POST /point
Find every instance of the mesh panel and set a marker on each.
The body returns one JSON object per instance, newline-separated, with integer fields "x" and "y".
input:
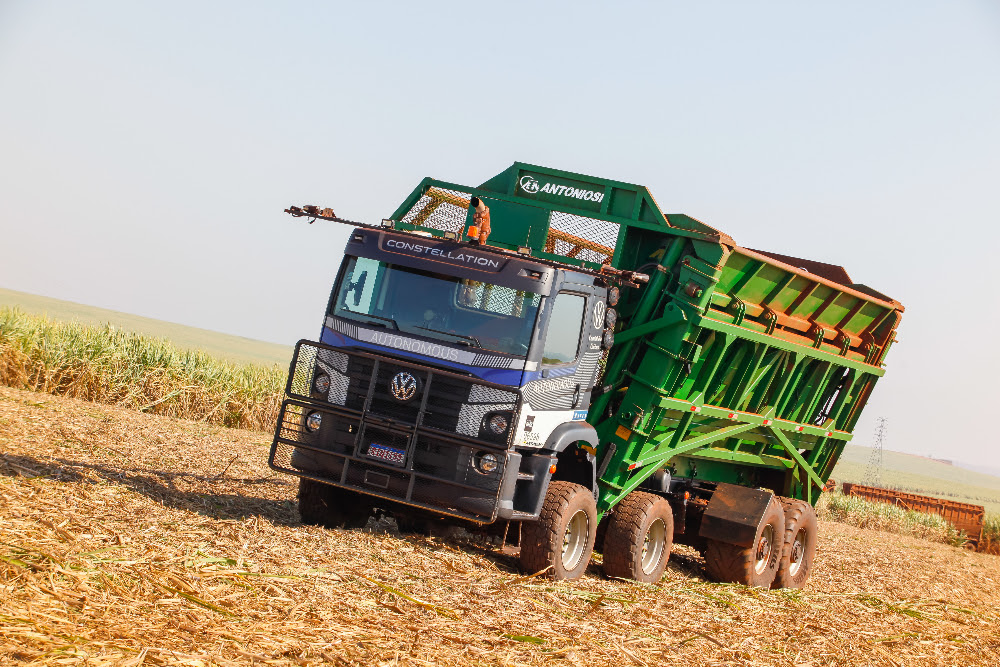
{"x": 302, "y": 375}
{"x": 583, "y": 238}
{"x": 480, "y": 394}
{"x": 440, "y": 209}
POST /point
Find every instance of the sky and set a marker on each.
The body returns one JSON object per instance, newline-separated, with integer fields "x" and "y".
{"x": 147, "y": 151}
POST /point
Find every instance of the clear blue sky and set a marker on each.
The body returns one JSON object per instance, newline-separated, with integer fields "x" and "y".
{"x": 147, "y": 150}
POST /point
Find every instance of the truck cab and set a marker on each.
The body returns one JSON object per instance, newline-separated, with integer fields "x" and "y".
{"x": 448, "y": 377}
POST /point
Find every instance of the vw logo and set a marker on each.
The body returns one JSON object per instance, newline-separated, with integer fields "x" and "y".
{"x": 403, "y": 386}
{"x": 529, "y": 184}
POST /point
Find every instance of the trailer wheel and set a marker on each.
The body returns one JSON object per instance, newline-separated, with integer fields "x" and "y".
{"x": 799, "y": 547}
{"x": 639, "y": 536}
{"x": 755, "y": 565}
{"x": 563, "y": 535}
{"x": 331, "y": 507}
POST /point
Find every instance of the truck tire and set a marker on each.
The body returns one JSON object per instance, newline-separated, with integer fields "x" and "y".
{"x": 799, "y": 548}
{"x": 755, "y": 565}
{"x": 639, "y": 536}
{"x": 562, "y": 538}
{"x": 331, "y": 507}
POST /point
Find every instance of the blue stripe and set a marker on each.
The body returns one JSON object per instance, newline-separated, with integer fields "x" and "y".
{"x": 505, "y": 376}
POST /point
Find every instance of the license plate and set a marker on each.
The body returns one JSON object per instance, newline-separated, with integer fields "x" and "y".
{"x": 390, "y": 454}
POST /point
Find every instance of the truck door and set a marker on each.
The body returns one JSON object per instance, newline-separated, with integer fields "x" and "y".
{"x": 570, "y": 354}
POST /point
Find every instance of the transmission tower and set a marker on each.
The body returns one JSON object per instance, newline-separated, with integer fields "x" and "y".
{"x": 873, "y": 474}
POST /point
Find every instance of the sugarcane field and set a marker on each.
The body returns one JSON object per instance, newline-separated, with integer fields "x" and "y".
{"x": 546, "y": 334}
{"x": 128, "y": 541}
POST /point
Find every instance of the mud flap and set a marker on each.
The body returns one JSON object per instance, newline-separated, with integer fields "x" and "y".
{"x": 734, "y": 513}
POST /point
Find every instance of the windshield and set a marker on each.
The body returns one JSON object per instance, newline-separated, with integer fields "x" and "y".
{"x": 435, "y": 305}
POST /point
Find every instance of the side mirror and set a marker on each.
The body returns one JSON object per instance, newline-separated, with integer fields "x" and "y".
{"x": 358, "y": 287}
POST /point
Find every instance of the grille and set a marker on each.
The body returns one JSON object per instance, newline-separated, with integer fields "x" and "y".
{"x": 580, "y": 237}
{"x": 442, "y": 401}
{"x": 422, "y": 451}
{"x": 440, "y": 209}
{"x": 434, "y": 472}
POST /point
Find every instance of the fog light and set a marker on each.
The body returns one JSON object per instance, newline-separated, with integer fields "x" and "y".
{"x": 314, "y": 421}
{"x": 498, "y": 424}
{"x": 486, "y": 463}
{"x": 610, "y": 318}
{"x": 322, "y": 383}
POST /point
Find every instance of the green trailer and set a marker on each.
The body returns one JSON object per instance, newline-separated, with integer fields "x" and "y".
{"x": 665, "y": 384}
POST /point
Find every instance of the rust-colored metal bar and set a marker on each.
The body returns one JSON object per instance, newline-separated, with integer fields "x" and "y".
{"x": 964, "y": 516}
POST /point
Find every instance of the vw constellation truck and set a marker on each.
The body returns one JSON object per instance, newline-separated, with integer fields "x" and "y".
{"x": 551, "y": 357}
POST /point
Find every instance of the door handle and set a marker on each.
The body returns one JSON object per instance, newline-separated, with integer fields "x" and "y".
{"x": 576, "y": 395}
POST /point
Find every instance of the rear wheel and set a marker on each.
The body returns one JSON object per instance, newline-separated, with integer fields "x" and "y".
{"x": 639, "y": 536}
{"x": 754, "y": 565}
{"x": 563, "y": 536}
{"x": 329, "y": 506}
{"x": 799, "y": 545}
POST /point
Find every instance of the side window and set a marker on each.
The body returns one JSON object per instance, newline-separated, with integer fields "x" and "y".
{"x": 562, "y": 341}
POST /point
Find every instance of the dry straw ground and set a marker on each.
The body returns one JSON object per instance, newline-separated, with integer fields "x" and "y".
{"x": 133, "y": 539}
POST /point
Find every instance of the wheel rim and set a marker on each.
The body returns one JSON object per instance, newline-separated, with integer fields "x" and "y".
{"x": 575, "y": 539}
{"x": 765, "y": 543}
{"x": 798, "y": 552}
{"x": 652, "y": 546}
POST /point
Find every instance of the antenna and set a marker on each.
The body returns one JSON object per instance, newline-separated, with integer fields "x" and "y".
{"x": 873, "y": 474}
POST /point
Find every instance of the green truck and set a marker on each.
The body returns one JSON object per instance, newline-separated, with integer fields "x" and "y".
{"x": 550, "y": 357}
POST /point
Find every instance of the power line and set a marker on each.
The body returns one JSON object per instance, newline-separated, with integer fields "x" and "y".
{"x": 873, "y": 474}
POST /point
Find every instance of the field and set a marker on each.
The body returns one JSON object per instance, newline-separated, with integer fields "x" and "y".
{"x": 922, "y": 475}
{"x": 213, "y": 343}
{"x": 133, "y": 539}
{"x": 108, "y": 365}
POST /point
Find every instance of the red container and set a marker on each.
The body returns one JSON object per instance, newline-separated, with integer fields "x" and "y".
{"x": 963, "y": 516}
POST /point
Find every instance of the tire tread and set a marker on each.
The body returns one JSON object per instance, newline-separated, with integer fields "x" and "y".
{"x": 541, "y": 540}
{"x": 630, "y": 515}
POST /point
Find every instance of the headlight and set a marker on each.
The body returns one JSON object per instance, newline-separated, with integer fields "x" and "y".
{"x": 486, "y": 462}
{"x": 609, "y": 339}
{"x": 313, "y": 421}
{"x": 498, "y": 424}
{"x": 613, "y": 295}
{"x": 322, "y": 383}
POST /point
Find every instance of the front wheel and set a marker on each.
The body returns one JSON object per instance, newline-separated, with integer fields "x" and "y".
{"x": 638, "y": 539}
{"x": 332, "y": 507}
{"x": 563, "y": 536}
{"x": 799, "y": 547}
{"x": 754, "y": 565}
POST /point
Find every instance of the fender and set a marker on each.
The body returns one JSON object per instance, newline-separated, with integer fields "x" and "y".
{"x": 734, "y": 513}
{"x": 564, "y": 435}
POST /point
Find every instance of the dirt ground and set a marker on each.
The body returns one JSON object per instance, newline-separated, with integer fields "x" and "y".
{"x": 127, "y": 539}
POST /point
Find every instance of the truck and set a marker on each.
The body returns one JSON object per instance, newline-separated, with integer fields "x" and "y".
{"x": 550, "y": 358}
